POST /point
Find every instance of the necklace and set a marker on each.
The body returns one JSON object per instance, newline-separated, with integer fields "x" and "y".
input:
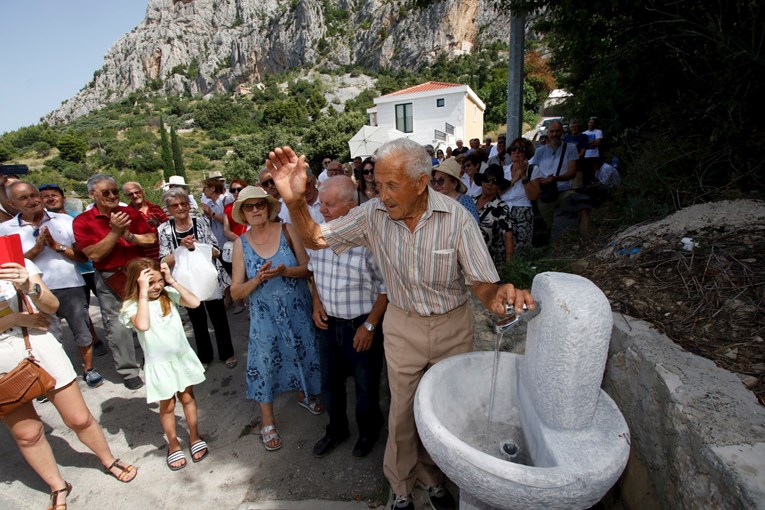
{"x": 252, "y": 237}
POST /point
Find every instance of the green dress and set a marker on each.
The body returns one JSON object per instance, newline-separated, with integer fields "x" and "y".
{"x": 171, "y": 364}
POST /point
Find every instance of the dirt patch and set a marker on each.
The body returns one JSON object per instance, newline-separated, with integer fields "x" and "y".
{"x": 699, "y": 277}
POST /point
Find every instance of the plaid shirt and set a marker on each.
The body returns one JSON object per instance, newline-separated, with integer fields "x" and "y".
{"x": 425, "y": 271}
{"x": 348, "y": 284}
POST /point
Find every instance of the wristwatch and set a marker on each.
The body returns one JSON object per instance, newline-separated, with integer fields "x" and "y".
{"x": 369, "y": 327}
{"x": 36, "y": 290}
{"x": 524, "y": 181}
{"x": 61, "y": 248}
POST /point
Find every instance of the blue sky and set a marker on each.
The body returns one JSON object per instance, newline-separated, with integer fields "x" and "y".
{"x": 49, "y": 50}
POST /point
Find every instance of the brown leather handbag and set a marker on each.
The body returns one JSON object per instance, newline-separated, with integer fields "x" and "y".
{"x": 25, "y": 382}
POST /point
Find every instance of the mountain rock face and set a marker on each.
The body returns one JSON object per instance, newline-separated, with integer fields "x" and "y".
{"x": 196, "y": 47}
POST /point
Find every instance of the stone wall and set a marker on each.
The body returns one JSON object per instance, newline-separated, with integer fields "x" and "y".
{"x": 698, "y": 435}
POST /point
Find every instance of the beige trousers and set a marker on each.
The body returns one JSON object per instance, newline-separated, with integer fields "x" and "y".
{"x": 412, "y": 344}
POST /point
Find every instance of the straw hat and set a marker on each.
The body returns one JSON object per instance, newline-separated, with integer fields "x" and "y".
{"x": 452, "y": 168}
{"x": 176, "y": 180}
{"x": 255, "y": 192}
{"x": 215, "y": 174}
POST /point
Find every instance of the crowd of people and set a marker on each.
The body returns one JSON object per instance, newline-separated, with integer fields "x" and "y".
{"x": 364, "y": 262}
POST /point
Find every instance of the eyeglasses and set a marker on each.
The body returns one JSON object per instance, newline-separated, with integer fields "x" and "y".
{"x": 46, "y": 187}
{"x": 249, "y": 206}
{"x": 267, "y": 183}
{"x": 515, "y": 148}
{"x": 490, "y": 180}
{"x": 437, "y": 182}
{"x": 132, "y": 193}
{"x": 235, "y": 190}
{"x": 368, "y": 172}
{"x": 178, "y": 205}
{"x": 113, "y": 192}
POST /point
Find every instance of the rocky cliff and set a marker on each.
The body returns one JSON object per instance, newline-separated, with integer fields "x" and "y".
{"x": 200, "y": 46}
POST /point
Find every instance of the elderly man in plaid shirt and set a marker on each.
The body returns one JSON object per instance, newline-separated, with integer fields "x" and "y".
{"x": 349, "y": 300}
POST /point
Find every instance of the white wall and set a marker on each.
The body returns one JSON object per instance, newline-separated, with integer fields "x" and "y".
{"x": 426, "y": 116}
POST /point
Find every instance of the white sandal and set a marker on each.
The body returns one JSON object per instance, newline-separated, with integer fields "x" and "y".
{"x": 268, "y": 434}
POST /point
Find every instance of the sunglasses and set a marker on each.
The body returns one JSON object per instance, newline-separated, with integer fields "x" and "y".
{"x": 46, "y": 187}
{"x": 235, "y": 190}
{"x": 490, "y": 180}
{"x": 178, "y": 205}
{"x": 113, "y": 192}
{"x": 249, "y": 206}
{"x": 437, "y": 182}
{"x": 367, "y": 172}
{"x": 327, "y": 161}
{"x": 132, "y": 193}
{"x": 516, "y": 148}
{"x": 267, "y": 183}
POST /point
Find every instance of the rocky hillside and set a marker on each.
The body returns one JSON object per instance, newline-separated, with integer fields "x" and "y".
{"x": 196, "y": 47}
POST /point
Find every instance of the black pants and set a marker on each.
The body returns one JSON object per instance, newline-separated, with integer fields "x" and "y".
{"x": 217, "y": 312}
{"x": 338, "y": 360}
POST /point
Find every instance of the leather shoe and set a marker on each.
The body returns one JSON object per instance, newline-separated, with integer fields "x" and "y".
{"x": 133, "y": 383}
{"x": 327, "y": 443}
{"x": 363, "y": 446}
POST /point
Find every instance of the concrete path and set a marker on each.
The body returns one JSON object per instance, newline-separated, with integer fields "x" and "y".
{"x": 238, "y": 474}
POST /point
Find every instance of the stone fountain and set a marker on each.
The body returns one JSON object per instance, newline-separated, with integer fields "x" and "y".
{"x": 556, "y": 440}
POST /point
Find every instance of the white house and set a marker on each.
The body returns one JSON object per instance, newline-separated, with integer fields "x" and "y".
{"x": 434, "y": 113}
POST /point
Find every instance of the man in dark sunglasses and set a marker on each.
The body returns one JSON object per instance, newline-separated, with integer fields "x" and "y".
{"x": 112, "y": 235}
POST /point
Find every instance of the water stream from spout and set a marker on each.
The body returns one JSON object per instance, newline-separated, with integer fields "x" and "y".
{"x": 492, "y": 390}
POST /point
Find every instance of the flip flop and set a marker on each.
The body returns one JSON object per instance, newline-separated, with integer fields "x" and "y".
{"x": 175, "y": 457}
{"x": 196, "y": 448}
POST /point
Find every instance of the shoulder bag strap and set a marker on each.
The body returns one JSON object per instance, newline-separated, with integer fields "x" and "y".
{"x": 24, "y": 330}
{"x": 173, "y": 234}
{"x": 560, "y": 162}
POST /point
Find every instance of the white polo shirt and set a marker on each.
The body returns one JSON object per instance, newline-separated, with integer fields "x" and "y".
{"x": 58, "y": 272}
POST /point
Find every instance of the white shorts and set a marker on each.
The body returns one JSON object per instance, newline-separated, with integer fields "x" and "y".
{"x": 46, "y": 349}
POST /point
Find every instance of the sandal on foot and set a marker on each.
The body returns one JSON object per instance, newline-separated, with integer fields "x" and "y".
{"x": 125, "y": 471}
{"x": 268, "y": 434}
{"x": 54, "y": 497}
{"x": 198, "y": 447}
{"x": 176, "y": 456}
{"x": 231, "y": 362}
{"x": 314, "y": 406}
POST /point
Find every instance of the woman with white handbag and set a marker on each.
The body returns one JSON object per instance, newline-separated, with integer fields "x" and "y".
{"x": 180, "y": 236}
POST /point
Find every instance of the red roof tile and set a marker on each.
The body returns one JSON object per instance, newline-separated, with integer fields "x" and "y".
{"x": 425, "y": 87}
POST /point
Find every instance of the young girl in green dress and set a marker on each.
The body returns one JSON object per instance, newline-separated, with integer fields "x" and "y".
{"x": 171, "y": 367}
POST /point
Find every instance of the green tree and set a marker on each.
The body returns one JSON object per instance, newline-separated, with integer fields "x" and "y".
{"x": 6, "y": 151}
{"x": 168, "y": 168}
{"x": 180, "y": 169}
{"x": 72, "y": 148}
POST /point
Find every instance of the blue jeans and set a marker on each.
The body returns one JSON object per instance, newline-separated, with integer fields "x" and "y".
{"x": 338, "y": 360}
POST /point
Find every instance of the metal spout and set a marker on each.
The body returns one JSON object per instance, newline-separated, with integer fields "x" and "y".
{"x": 512, "y": 318}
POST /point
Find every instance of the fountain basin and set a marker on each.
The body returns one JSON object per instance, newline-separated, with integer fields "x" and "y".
{"x": 567, "y": 468}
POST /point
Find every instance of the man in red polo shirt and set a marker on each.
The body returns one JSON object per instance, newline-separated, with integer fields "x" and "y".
{"x": 152, "y": 213}
{"x": 111, "y": 236}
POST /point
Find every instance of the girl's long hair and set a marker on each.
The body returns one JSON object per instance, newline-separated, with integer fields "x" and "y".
{"x": 134, "y": 269}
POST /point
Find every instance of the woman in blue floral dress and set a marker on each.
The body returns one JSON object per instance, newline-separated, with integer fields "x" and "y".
{"x": 270, "y": 266}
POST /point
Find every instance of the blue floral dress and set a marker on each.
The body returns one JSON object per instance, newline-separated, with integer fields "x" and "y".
{"x": 282, "y": 354}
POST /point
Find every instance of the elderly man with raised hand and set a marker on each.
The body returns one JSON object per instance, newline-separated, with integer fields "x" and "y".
{"x": 47, "y": 239}
{"x": 429, "y": 249}
{"x": 152, "y": 213}
{"x": 111, "y": 236}
{"x": 349, "y": 300}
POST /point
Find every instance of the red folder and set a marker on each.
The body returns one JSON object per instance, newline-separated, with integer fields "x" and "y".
{"x": 10, "y": 249}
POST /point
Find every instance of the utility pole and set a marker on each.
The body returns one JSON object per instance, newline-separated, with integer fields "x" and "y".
{"x": 515, "y": 76}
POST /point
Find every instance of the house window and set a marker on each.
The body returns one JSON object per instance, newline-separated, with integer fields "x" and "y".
{"x": 449, "y": 129}
{"x": 440, "y": 102}
{"x": 440, "y": 135}
{"x": 404, "y": 117}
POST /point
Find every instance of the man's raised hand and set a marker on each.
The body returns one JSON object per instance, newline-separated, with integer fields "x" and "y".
{"x": 288, "y": 172}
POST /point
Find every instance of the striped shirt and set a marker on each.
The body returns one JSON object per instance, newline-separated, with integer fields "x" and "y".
{"x": 348, "y": 284}
{"x": 425, "y": 271}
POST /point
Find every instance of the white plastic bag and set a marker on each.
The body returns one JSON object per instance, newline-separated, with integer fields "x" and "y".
{"x": 196, "y": 271}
